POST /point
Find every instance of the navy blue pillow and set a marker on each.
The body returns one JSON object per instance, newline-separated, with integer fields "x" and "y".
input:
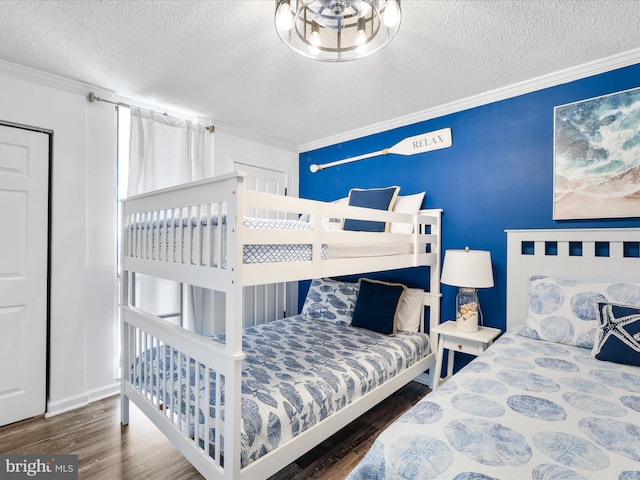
{"x": 618, "y": 335}
{"x": 378, "y": 198}
{"x": 377, "y": 306}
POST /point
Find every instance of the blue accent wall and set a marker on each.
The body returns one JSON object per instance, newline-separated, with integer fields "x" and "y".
{"x": 497, "y": 175}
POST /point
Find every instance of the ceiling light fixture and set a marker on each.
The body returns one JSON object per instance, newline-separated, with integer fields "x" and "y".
{"x": 337, "y": 30}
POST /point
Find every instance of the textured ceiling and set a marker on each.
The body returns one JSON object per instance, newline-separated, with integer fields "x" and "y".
{"x": 223, "y": 59}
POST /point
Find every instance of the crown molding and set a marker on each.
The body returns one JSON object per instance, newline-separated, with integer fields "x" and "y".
{"x": 66, "y": 84}
{"x": 51, "y": 80}
{"x": 578, "y": 72}
{"x": 606, "y": 64}
{"x": 249, "y": 135}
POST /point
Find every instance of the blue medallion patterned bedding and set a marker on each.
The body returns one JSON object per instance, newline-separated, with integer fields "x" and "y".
{"x": 189, "y": 232}
{"x": 524, "y": 409}
{"x": 297, "y": 371}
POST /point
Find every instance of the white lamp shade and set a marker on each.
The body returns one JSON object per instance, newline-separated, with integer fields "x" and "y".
{"x": 467, "y": 269}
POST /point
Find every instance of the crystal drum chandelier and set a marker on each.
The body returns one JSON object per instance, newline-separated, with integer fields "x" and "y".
{"x": 337, "y": 30}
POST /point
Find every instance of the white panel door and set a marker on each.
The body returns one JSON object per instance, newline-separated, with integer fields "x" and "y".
{"x": 264, "y": 303}
{"x": 267, "y": 180}
{"x": 24, "y": 171}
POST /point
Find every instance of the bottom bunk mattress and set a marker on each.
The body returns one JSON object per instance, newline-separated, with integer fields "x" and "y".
{"x": 297, "y": 371}
{"x": 524, "y": 409}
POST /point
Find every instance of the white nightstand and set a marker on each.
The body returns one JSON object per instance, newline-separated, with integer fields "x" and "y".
{"x": 456, "y": 341}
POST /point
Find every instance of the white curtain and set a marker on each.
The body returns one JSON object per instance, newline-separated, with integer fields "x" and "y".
{"x": 166, "y": 151}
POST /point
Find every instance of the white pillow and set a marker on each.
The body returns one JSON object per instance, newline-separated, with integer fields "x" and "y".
{"x": 564, "y": 310}
{"x": 410, "y": 310}
{"x": 334, "y": 223}
{"x": 406, "y": 204}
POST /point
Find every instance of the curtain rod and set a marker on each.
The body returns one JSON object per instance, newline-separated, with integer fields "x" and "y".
{"x": 94, "y": 98}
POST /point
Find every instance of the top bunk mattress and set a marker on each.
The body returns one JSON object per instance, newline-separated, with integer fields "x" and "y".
{"x": 188, "y": 240}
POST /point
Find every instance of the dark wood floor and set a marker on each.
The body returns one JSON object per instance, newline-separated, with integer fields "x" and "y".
{"x": 106, "y": 450}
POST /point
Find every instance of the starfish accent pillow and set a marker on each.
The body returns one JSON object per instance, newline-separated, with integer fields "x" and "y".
{"x": 618, "y": 334}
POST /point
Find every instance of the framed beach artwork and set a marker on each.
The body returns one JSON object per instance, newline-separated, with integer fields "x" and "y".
{"x": 597, "y": 157}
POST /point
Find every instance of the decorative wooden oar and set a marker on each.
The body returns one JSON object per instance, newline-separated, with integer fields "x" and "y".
{"x": 424, "y": 142}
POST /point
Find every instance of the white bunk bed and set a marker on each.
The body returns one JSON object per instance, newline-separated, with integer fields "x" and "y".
{"x": 197, "y": 234}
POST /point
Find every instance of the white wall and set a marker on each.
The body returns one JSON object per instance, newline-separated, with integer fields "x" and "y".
{"x": 82, "y": 321}
{"x": 83, "y": 312}
{"x": 101, "y": 354}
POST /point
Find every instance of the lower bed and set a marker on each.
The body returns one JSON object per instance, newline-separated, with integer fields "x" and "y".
{"x": 524, "y": 409}
{"x": 297, "y": 371}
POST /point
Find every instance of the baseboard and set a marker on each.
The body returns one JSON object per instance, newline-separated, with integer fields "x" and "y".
{"x": 82, "y": 400}
{"x": 425, "y": 379}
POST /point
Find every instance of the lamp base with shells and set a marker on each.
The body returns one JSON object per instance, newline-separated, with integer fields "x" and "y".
{"x": 467, "y": 314}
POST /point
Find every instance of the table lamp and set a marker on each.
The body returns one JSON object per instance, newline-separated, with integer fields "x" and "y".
{"x": 468, "y": 270}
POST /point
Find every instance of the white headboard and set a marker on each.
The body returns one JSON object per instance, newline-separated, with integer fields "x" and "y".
{"x": 592, "y": 253}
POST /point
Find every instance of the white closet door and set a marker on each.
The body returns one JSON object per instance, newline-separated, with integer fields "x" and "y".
{"x": 264, "y": 303}
{"x": 267, "y": 180}
{"x": 24, "y": 171}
